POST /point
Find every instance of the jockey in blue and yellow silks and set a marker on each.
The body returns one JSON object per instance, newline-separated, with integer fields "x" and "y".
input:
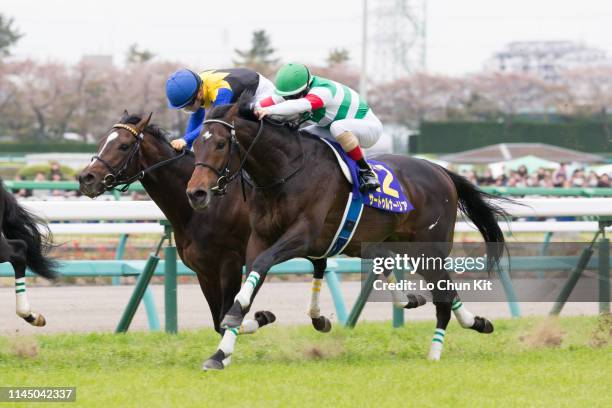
{"x": 194, "y": 93}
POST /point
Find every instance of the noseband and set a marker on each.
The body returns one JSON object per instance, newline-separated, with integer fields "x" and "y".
{"x": 115, "y": 176}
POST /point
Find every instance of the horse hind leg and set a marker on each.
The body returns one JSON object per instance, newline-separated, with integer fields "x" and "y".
{"x": 319, "y": 322}
{"x": 442, "y": 299}
{"x": 17, "y": 258}
{"x": 468, "y": 320}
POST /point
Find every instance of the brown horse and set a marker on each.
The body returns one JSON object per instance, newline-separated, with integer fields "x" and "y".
{"x": 213, "y": 244}
{"x": 25, "y": 241}
{"x": 300, "y": 195}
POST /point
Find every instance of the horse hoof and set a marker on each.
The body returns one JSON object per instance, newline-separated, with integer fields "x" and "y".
{"x": 212, "y": 365}
{"x": 415, "y": 301}
{"x": 36, "y": 320}
{"x": 482, "y": 325}
{"x": 321, "y": 324}
{"x": 264, "y": 317}
{"x": 40, "y": 321}
{"x": 217, "y": 361}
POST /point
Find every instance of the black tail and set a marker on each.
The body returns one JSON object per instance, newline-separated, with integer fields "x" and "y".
{"x": 18, "y": 223}
{"x": 481, "y": 209}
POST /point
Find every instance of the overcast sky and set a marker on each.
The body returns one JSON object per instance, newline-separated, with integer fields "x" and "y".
{"x": 202, "y": 34}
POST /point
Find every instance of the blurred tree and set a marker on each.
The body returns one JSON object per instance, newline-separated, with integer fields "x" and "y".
{"x": 338, "y": 56}
{"x": 260, "y": 56}
{"x": 9, "y": 35}
{"x": 137, "y": 56}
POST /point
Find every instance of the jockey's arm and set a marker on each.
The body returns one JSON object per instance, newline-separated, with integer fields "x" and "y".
{"x": 292, "y": 107}
{"x": 194, "y": 126}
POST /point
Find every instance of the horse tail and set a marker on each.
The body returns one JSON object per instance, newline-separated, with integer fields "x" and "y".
{"x": 18, "y": 223}
{"x": 482, "y": 210}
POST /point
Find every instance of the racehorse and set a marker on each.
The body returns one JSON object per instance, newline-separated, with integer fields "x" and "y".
{"x": 212, "y": 244}
{"x": 299, "y": 198}
{"x": 25, "y": 241}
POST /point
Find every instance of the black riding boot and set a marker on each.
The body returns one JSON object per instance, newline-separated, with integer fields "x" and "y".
{"x": 367, "y": 178}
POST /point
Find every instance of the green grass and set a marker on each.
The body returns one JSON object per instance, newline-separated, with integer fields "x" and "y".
{"x": 372, "y": 365}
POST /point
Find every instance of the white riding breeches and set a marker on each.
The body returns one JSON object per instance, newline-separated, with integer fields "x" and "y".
{"x": 368, "y": 130}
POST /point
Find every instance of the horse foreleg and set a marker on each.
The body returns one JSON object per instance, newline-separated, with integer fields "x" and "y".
{"x": 290, "y": 245}
{"x": 320, "y": 323}
{"x": 17, "y": 258}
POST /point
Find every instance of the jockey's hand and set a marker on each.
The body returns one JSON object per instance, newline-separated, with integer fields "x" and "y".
{"x": 261, "y": 113}
{"x": 178, "y": 144}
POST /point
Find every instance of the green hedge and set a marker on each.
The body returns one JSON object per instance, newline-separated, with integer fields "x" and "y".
{"x": 48, "y": 148}
{"x": 451, "y": 137}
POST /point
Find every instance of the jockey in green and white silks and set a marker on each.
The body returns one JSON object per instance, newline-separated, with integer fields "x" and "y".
{"x": 332, "y": 108}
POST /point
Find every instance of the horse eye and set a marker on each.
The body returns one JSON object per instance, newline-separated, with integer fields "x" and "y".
{"x": 124, "y": 147}
{"x": 220, "y": 145}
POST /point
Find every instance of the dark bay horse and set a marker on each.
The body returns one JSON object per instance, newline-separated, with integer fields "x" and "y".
{"x": 212, "y": 244}
{"x": 25, "y": 241}
{"x": 300, "y": 195}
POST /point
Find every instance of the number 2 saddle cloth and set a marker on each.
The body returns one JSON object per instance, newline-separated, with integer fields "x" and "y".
{"x": 389, "y": 197}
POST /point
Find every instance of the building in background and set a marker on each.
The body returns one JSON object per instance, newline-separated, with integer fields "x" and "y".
{"x": 397, "y": 38}
{"x": 546, "y": 59}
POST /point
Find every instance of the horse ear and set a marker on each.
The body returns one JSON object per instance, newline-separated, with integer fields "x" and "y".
{"x": 144, "y": 122}
{"x": 125, "y": 112}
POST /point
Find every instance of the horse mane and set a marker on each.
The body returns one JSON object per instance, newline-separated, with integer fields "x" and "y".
{"x": 154, "y": 130}
{"x": 218, "y": 112}
{"x": 245, "y": 106}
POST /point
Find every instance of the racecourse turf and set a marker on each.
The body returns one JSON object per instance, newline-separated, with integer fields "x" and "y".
{"x": 525, "y": 362}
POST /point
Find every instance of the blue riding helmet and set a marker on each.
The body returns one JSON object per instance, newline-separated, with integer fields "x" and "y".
{"x": 182, "y": 88}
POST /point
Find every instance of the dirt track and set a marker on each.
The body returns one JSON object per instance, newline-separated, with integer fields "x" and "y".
{"x": 98, "y": 308}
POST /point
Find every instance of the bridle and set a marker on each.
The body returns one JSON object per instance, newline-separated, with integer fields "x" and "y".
{"x": 115, "y": 176}
{"x": 224, "y": 174}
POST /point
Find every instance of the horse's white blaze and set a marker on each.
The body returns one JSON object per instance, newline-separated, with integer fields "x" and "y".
{"x": 109, "y": 139}
{"x": 207, "y": 135}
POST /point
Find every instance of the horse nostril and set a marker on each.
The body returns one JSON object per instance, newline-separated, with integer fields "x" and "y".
{"x": 197, "y": 195}
{"x": 88, "y": 178}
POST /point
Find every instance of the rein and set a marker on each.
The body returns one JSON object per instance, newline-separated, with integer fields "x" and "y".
{"x": 225, "y": 178}
{"x": 114, "y": 178}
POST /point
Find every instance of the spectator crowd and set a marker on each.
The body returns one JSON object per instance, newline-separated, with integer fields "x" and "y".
{"x": 542, "y": 177}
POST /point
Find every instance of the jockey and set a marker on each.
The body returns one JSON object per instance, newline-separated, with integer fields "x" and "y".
{"x": 333, "y": 109}
{"x": 194, "y": 93}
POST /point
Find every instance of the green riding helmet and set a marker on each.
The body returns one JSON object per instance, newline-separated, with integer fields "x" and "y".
{"x": 292, "y": 79}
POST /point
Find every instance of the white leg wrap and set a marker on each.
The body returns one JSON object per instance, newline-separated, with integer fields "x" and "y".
{"x": 228, "y": 341}
{"x": 226, "y": 361}
{"x": 248, "y": 326}
{"x": 437, "y": 344}
{"x": 464, "y": 316}
{"x": 22, "y": 305}
{"x": 244, "y": 296}
{"x": 399, "y": 298}
{"x": 314, "y": 309}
